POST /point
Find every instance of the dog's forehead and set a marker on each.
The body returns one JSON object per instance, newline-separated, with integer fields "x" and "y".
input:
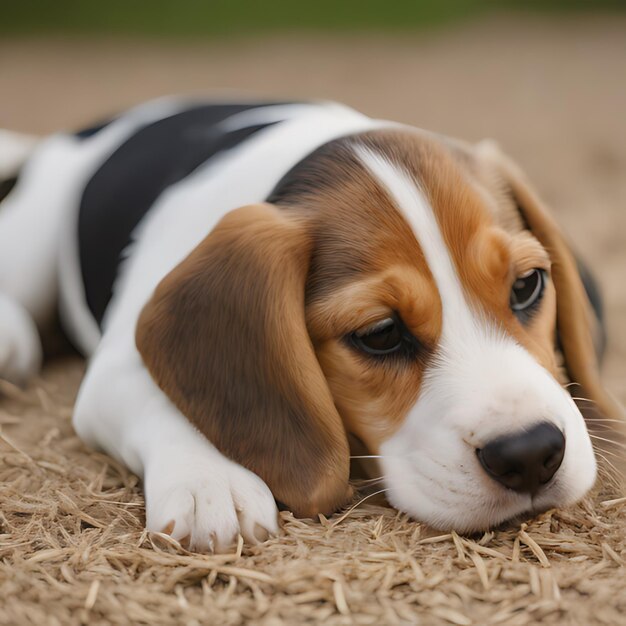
{"x": 360, "y": 228}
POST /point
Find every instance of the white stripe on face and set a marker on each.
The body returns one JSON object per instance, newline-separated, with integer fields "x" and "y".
{"x": 481, "y": 384}
{"x": 416, "y": 209}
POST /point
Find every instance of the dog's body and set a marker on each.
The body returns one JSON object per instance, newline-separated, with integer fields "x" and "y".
{"x": 229, "y": 343}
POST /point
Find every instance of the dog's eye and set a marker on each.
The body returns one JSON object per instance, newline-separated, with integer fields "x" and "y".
{"x": 527, "y": 291}
{"x": 381, "y": 338}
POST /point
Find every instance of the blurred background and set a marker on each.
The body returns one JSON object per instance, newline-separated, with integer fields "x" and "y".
{"x": 546, "y": 79}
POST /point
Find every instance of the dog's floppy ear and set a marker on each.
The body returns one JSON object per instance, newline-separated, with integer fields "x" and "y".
{"x": 224, "y": 336}
{"x": 577, "y": 323}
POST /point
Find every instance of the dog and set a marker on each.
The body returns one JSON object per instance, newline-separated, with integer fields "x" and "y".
{"x": 256, "y": 284}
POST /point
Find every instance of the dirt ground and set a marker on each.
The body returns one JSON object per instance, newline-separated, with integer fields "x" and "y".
{"x": 552, "y": 92}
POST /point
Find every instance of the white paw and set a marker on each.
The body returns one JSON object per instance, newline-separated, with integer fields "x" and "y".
{"x": 20, "y": 347}
{"x": 206, "y": 505}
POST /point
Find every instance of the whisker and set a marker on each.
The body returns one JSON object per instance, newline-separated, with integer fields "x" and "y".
{"x": 608, "y": 462}
{"x": 619, "y": 457}
{"x": 365, "y": 484}
{"x": 602, "y": 419}
{"x": 609, "y": 479}
{"x": 603, "y": 456}
{"x": 615, "y": 443}
{"x": 570, "y": 384}
{"x": 583, "y": 399}
{"x": 371, "y": 495}
{"x": 370, "y": 481}
{"x": 609, "y": 471}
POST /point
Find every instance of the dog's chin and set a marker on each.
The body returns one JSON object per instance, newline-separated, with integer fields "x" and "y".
{"x": 537, "y": 507}
{"x": 479, "y": 526}
{"x": 502, "y": 512}
{"x": 458, "y": 516}
{"x": 514, "y": 522}
{"x": 502, "y": 521}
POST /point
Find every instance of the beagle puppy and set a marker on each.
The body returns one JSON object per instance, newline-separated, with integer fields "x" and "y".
{"x": 253, "y": 283}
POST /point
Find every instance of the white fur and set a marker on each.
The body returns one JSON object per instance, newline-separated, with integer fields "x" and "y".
{"x": 482, "y": 384}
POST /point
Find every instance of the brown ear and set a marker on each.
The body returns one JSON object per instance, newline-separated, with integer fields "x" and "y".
{"x": 224, "y": 336}
{"x": 576, "y": 322}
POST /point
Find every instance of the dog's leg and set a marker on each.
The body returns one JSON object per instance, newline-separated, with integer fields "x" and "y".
{"x": 192, "y": 491}
{"x": 20, "y": 346}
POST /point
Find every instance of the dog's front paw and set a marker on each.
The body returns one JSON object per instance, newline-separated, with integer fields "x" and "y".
{"x": 20, "y": 346}
{"x": 206, "y": 506}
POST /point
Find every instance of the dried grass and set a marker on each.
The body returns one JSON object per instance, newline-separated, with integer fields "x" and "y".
{"x": 73, "y": 550}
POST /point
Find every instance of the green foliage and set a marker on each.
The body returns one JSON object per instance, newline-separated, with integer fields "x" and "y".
{"x": 202, "y": 18}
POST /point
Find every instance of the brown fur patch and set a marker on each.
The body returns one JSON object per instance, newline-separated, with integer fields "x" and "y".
{"x": 374, "y": 396}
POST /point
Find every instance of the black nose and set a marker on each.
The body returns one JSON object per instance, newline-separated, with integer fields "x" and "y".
{"x": 525, "y": 461}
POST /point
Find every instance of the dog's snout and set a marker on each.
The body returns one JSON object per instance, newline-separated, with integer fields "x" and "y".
{"x": 525, "y": 461}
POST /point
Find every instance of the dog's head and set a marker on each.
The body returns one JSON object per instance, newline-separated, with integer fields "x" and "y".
{"x": 408, "y": 290}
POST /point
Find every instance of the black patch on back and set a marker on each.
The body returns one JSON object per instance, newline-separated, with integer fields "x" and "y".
{"x": 127, "y": 184}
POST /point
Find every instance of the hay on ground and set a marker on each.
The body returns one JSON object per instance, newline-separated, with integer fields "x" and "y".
{"x": 73, "y": 550}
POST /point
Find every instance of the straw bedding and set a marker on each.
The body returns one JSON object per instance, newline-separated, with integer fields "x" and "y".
{"x": 73, "y": 550}
{"x": 72, "y": 546}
